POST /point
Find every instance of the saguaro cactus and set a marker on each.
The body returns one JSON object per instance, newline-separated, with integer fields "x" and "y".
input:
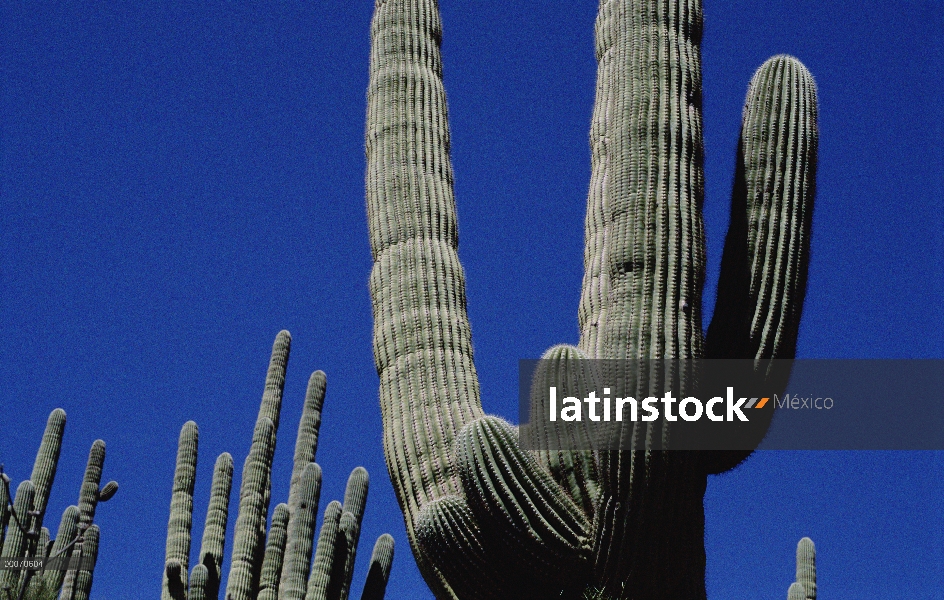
{"x": 485, "y": 518}
{"x": 22, "y": 534}
{"x": 276, "y": 565}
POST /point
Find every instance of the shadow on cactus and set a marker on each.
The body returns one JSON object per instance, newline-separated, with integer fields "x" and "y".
{"x": 22, "y": 534}
{"x": 273, "y": 565}
{"x": 485, "y": 518}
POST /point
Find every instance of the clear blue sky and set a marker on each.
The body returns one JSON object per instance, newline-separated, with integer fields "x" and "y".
{"x": 180, "y": 181}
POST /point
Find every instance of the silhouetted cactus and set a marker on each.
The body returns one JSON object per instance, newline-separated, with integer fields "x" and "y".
{"x": 485, "y": 518}
{"x": 22, "y": 534}
{"x": 274, "y": 566}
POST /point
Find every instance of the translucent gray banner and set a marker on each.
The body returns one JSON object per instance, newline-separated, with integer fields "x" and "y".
{"x": 809, "y": 404}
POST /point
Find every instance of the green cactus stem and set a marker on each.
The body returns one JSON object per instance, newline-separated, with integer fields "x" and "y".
{"x": 274, "y": 554}
{"x": 14, "y": 545}
{"x": 273, "y": 564}
{"x": 301, "y": 528}
{"x": 214, "y": 529}
{"x": 381, "y": 559}
{"x": 486, "y": 519}
{"x": 181, "y": 513}
{"x": 806, "y": 568}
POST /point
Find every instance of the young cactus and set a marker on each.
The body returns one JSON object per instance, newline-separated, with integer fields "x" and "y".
{"x": 273, "y": 564}
{"x": 486, "y": 519}
{"x": 22, "y": 534}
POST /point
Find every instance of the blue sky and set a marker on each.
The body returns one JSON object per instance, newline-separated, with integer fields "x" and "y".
{"x": 181, "y": 182}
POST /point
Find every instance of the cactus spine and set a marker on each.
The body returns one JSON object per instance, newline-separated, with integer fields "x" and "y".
{"x": 486, "y": 519}
{"x": 273, "y": 564}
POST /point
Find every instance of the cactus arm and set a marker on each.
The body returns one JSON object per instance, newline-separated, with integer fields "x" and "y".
{"x": 89, "y": 492}
{"x": 766, "y": 254}
{"x": 806, "y": 567}
{"x": 796, "y": 592}
{"x": 83, "y": 577}
{"x": 323, "y": 567}
{"x": 422, "y": 339}
{"x": 301, "y": 529}
{"x": 181, "y": 509}
{"x": 565, "y": 366}
{"x": 199, "y": 577}
{"x": 378, "y": 574}
{"x": 271, "y": 404}
{"x": 523, "y": 514}
{"x": 214, "y": 530}
{"x": 274, "y": 556}
{"x": 68, "y": 527}
{"x": 306, "y": 442}
{"x": 244, "y": 568}
{"x": 47, "y": 458}
{"x": 14, "y": 546}
{"x": 355, "y": 499}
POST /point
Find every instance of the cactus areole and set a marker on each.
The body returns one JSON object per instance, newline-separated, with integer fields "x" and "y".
{"x": 485, "y": 518}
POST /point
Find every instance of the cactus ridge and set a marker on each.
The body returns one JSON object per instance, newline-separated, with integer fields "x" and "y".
{"x": 481, "y": 514}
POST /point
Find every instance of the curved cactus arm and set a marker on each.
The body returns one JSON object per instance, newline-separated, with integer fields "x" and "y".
{"x": 521, "y": 511}
{"x": 450, "y": 539}
{"x": 214, "y": 529}
{"x": 565, "y": 367}
{"x": 181, "y": 509}
{"x": 15, "y": 544}
{"x": 767, "y": 250}
{"x": 422, "y": 339}
{"x": 766, "y": 254}
{"x": 381, "y": 559}
{"x": 274, "y": 554}
{"x": 44, "y": 469}
{"x": 197, "y": 590}
{"x": 301, "y": 530}
{"x": 806, "y": 567}
{"x": 250, "y": 521}
{"x": 83, "y": 577}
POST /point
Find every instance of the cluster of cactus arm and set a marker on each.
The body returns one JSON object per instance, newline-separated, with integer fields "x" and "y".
{"x": 23, "y": 535}
{"x": 485, "y": 518}
{"x": 274, "y": 564}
